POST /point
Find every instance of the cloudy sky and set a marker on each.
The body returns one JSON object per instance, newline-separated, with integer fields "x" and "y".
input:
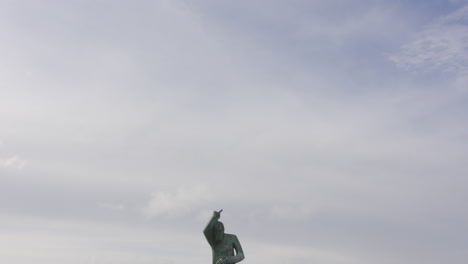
{"x": 330, "y": 132}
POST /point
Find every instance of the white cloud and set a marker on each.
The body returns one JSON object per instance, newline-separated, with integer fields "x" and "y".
{"x": 179, "y": 202}
{"x": 12, "y": 162}
{"x": 442, "y": 46}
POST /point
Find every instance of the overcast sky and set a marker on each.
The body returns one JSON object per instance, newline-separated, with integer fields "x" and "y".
{"x": 330, "y": 132}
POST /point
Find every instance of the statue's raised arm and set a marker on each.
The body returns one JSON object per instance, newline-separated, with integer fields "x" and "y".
{"x": 209, "y": 229}
{"x": 226, "y": 248}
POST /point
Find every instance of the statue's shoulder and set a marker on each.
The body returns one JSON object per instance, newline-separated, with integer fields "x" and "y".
{"x": 230, "y": 237}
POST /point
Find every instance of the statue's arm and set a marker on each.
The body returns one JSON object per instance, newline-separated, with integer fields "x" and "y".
{"x": 209, "y": 229}
{"x": 239, "y": 252}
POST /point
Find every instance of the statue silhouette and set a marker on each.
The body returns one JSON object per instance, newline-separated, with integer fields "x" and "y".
{"x": 222, "y": 245}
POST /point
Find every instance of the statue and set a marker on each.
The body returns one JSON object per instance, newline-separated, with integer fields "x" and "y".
{"x": 222, "y": 245}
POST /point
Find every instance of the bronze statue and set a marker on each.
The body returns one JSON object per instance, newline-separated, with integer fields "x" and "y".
{"x": 222, "y": 245}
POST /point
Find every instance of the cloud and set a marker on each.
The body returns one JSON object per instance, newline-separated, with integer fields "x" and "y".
{"x": 179, "y": 202}
{"x": 442, "y": 47}
{"x": 12, "y": 162}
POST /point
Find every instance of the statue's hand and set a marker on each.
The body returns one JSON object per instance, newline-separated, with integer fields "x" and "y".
{"x": 217, "y": 214}
{"x": 221, "y": 261}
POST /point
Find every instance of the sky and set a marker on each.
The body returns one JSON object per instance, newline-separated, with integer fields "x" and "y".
{"x": 329, "y": 132}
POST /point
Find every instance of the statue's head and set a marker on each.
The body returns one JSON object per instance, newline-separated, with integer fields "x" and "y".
{"x": 218, "y": 231}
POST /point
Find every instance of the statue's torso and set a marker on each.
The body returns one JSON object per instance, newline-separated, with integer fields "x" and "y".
{"x": 225, "y": 248}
